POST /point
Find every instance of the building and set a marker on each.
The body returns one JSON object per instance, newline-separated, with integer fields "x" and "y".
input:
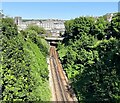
{"x": 54, "y": 26}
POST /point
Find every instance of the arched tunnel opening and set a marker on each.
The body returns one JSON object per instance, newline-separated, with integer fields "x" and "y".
{"x": 53, "y": 44}
{"x": 53, "y": 41}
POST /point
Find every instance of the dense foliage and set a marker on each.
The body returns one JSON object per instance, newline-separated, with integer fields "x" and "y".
{"x": 39, "y": 30}
{"x": 90, "y": 54}
{"x": 24, "y": 67}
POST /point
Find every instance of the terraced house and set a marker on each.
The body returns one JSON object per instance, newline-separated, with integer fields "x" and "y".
{"x": 54, "y": 26}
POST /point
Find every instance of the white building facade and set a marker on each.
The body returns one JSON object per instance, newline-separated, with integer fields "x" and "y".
{"x": 55, "y": 26}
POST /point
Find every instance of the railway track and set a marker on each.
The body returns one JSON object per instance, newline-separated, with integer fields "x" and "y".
{"x": 62, "y": 92}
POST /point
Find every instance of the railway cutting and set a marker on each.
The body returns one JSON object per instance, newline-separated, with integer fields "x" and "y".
{"x": 61, "y": 90}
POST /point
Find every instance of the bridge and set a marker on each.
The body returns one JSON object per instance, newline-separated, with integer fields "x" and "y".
{"x": 53, "y": 40}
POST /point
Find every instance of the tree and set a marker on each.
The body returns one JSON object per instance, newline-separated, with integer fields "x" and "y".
{"x": 9, "y": 28}
{"x": 24, "y": 66}
{"x": 99, "y": 29}
{"x": 91, "y": 59}
{"x": 115, "y": 26}
{"x": 39, "y": 30}
{"x": 68, "y": 28}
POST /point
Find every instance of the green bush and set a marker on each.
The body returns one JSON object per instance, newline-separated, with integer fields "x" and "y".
{"x": 39, "y": 30}
{"x": 24, "y": 66}
{"x": 91, "y": 58}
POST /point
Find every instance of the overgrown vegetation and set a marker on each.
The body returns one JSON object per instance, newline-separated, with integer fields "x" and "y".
{"x": 90, "y": 54}
{"x": 38, "y": 30}
{"x": 24, "y": 68}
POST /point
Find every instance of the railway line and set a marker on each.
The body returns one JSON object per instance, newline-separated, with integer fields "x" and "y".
{"x": 61, "y": 88}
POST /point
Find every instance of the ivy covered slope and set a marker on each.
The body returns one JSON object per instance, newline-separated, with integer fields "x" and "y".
{"x": 24, "y": 67}
{"x": 90, "y": 54}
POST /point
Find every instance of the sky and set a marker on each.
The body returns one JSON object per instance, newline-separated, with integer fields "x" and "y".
{"x": 57, "y": 10}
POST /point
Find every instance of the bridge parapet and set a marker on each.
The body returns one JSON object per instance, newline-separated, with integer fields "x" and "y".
{"x": 54, "y": 38}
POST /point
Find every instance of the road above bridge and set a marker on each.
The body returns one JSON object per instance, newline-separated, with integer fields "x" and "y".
{"x": 54, "y": 38}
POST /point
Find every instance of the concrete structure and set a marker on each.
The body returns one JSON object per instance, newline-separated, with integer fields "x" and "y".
{"x": 54, "y": 26}
{"x": 53, "y": 40}
{"x": 18, "y": 20}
